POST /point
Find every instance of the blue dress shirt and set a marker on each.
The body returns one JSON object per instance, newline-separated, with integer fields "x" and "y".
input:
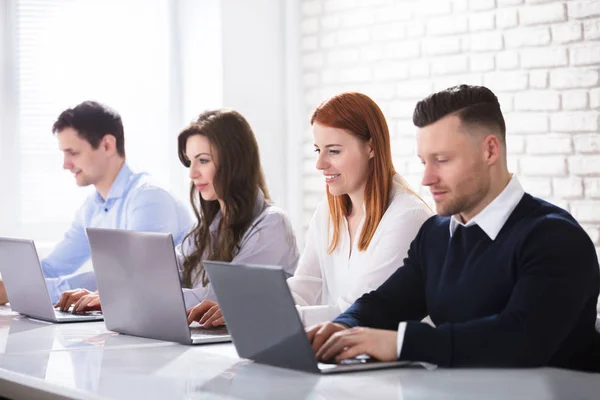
{"x": 133, "y": 203}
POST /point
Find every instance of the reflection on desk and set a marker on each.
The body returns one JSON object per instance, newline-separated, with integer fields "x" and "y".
{"x": 86, "y": 361}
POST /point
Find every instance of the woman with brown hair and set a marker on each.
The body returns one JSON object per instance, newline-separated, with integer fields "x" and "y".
{"x": 236, "y": 221}
{"x": 235, "y": 218}
{"x": 361, "y": 232}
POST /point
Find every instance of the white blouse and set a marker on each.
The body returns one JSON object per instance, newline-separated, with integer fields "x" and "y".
{"x": 325, "y": 285}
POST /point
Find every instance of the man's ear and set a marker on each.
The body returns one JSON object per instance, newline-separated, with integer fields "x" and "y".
{"x": 109, "y": 144}
{"x": 492, "y": 149}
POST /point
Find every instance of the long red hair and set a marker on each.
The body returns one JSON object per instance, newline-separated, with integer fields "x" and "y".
{"x": 360, "y": 116}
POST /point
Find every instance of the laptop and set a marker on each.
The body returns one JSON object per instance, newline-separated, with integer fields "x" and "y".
{"x": 139, "y": 287}
{"x": 26, "y": 287}
{"x": 266, "y": 328}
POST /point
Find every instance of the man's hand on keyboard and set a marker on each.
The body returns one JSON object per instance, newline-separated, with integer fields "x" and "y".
{"x": 81, "y": 300}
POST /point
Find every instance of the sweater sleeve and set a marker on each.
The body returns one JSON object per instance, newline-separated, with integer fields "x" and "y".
{"x": 557, "y": 271}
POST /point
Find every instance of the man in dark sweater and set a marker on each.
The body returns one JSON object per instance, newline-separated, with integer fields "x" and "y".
{"x": 509, "y": 280}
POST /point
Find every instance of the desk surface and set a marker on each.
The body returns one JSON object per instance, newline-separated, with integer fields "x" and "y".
{"x": 85, "y": 361}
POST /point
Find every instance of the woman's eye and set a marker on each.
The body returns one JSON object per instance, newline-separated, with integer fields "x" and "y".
{"x": 318, "y": 151}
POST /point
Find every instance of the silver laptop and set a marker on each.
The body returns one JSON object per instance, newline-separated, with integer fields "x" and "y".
{"x": 260, "y": 313}
{"x": 139, "y": 286}
{"x": 26, "y": 287}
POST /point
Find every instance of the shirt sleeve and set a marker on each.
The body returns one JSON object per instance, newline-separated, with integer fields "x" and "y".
{"x": 198, "y": 293}
{"x": 72, "y": 251}
{"x": 56, "y": 286}
{"x": 400, "y": 337}
{"x": 307, "y": 283}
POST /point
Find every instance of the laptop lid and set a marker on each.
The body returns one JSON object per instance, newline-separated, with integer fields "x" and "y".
{"x": 24, "y": 280}
{"x": 260, "y": 314}
{"x": 139, "y": 285}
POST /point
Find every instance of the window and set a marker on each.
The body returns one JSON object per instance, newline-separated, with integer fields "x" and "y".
{"x": 119, "y": 53}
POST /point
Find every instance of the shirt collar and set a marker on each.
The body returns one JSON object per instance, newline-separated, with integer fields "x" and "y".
{"x": 493, "y": 217}
{"x": 119, "y": 185}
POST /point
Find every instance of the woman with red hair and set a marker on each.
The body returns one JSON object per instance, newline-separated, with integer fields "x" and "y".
{"x": 361, "y": 232}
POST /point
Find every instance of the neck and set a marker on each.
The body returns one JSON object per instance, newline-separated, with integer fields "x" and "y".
{"x": 357, "y": 199}
{"x": 499, "y": 183}
{"x": 104, "y": 185}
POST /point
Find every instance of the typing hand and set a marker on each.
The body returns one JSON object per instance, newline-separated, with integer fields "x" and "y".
{"x": 89, "y": 302}
{"x": 207, "y": 313}
{"x": 349, "y": 343}
{"x": 70, "y": 297}
{"x": 319, "y": 333}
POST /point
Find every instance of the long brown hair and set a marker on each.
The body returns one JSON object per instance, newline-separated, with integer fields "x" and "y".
{"x": 238, "y": 178}
{"x": 361, "y": 117}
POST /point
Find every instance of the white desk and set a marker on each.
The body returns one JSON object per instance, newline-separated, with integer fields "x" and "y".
{"x": 84, "y": 361}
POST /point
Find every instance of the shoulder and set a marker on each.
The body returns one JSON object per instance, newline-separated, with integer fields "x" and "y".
{"x": 271, "y": 216}
{"x": 436, "y": 226}
{"x": 322, "y": 210}
{"x": 320, "y": 216}
{"x": 544, "y": 219}
{"x": 545, "y": 231}
{"x": 405, "y": 204}
{"x": 143, "y": 189}
{"x": 274, "y": 222}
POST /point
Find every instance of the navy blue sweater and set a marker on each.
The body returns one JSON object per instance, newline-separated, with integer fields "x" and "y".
{"x": 526, "y": 299}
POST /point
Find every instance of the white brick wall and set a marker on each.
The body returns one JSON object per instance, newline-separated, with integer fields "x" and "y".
{"x": 541, "y": 57}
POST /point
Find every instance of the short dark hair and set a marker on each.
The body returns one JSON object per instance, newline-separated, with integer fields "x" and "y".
{"x": 93, "y": 121}
{"x": 472, "y": 104}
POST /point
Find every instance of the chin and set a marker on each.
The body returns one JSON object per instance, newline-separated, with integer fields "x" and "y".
{"x": 446, "y": 211}
{"x": 336, "y": 191}
{"x": 81, "y": 183}
{"x": 207, "y": 197}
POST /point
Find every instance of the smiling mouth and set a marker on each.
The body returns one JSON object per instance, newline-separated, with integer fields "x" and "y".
{"x": 331, "y": 178}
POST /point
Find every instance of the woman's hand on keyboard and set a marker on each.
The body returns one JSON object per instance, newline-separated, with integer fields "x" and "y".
{"x": 207, "y": 313}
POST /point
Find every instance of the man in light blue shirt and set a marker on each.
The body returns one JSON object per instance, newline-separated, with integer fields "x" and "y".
{"x": 92, "y": 140}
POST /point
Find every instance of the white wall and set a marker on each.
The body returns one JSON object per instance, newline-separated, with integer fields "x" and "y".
{"x": 261, "y": 79}
{"x": 253, "y": 78}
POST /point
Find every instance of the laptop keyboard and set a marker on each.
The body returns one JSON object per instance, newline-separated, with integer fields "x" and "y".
{"x": 217, "y": 331}
{"x": 360, "y": 359}
{"x": 69, "y": 315}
